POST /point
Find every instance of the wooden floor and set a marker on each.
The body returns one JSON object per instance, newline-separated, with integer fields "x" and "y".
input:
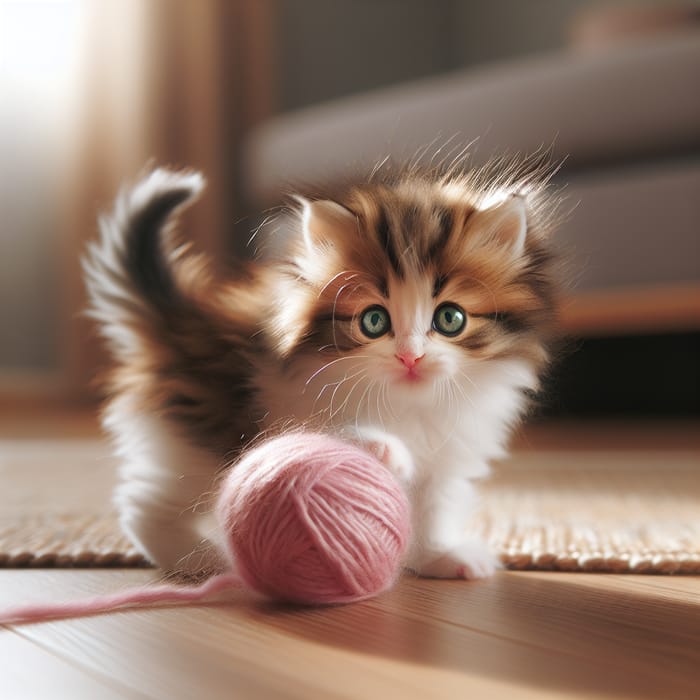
{"x": 517, "y": 635}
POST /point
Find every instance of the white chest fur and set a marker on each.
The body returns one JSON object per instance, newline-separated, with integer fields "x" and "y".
{"x": 447, "y": 427}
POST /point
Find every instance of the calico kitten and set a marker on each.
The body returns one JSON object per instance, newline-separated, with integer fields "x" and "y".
{"x": 409, "y": 314}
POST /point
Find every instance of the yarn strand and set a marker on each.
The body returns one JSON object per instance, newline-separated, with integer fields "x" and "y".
{"x": 142, "y": 596}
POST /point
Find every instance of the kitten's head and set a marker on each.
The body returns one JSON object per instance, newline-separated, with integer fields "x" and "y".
{"x": 421, "y": 279}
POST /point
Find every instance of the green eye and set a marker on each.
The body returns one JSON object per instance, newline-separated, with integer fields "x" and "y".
{"x": 375, "y": 321}
{"x": 449, "y": 319}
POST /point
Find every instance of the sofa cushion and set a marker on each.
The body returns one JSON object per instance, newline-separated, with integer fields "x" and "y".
{"x": 631, "y": 101}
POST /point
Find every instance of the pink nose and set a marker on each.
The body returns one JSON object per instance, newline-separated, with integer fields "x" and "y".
{"x": 409, "y": 359}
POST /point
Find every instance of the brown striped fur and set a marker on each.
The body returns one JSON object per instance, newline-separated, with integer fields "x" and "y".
{"x": 196, "y": 341}
{"x": 423, "y": 224}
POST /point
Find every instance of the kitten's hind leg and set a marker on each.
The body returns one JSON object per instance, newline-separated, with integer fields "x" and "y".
{"x": 165, "y": 492}
{"x": 165, "y": 534}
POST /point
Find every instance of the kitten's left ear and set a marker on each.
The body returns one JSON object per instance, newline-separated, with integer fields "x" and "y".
{"x": 326, "y": 223}
{"x": 504, "y": 224}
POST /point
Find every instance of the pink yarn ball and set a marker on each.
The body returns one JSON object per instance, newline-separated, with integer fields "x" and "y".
{"x": 312, "y": 519}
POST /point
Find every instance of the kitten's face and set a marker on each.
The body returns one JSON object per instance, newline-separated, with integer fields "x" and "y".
{"x": 415, "y": 333}
{"x": 412, "y": 287}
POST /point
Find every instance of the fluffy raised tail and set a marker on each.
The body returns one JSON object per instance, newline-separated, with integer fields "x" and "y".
{"x": 128, "y": 270}
{"x": 182, "y": 340}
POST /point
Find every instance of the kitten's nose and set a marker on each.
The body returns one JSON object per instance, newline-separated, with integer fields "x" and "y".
{"x": 409, "y": 359}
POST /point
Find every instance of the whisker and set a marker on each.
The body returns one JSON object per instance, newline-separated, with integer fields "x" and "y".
{"x": 337, "y": 385}
{"x": 440, "y": 391}
{"x": 360, "y": 373}
{"x": 260, "y": 227}
{"x": 343, "y": 405}
{"x": 463, "y": 392}
{"x": 351, "y": 275}
{"x": 385, "y": 402}
{"x": 330, "y": 364}
{"x": 391, "y": 406}
{"x": 359, "y": 404}
{"x": 378, "y": 166}
{"x": 379, "y": 410}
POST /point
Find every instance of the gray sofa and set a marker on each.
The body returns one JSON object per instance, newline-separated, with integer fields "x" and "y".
{"x": 626, "y": 117}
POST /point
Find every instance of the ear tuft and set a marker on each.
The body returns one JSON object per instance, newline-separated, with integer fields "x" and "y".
{"x": 325, "y": 223}
{"x": 505, "y": 224}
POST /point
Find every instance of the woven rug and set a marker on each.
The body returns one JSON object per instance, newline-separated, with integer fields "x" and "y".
{"x": 624, "y": 512}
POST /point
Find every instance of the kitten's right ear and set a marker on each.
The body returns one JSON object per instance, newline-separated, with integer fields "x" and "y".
{"x": 325, "y": 223}
{"x": 504, "y": 224}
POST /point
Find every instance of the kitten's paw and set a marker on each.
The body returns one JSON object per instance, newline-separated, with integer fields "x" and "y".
{"x": 390, "y": 451}
{"x": 471, "y": 559}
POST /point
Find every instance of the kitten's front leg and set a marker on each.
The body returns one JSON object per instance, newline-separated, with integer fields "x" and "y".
{"x": 388, "y": 449}
{"x": 442, "y": 546}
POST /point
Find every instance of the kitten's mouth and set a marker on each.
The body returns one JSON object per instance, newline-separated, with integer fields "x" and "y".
{"x": 411, "y": 376}
{"x": 410, "y": 372}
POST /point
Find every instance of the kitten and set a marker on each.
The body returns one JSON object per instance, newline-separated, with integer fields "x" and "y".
{"x": 409, "y": 314}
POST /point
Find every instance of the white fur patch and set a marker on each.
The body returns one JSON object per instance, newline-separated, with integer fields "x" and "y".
{"x": 165, "y": 495}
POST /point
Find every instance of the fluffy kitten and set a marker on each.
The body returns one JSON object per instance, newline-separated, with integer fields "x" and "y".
{"x": 409, "y": 314}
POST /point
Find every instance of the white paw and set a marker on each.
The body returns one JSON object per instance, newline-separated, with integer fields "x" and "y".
{"x": 470, "y": 559}
{"x": 390, "y": 451}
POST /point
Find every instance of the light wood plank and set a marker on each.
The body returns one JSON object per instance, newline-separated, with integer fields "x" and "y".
{"x": 240, "y": 651}
{"x": 516, "y": 635}
{"x": 29, "y": 672}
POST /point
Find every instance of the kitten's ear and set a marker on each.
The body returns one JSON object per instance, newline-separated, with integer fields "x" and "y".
{"x": 505, "y": 224}
{"x": 326, "y": 223}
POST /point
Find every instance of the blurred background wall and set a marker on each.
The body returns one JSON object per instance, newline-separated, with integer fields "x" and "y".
{"x": 328, "y": 49}
{"x": 91, "y": 93}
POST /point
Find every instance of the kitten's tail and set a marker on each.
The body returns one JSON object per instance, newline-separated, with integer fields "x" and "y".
{"x": 182, "y": 345}
{"x": 128, "y": 270}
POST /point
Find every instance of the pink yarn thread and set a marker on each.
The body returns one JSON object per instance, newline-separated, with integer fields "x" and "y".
{"x": 142, "y": 595}
{"x": 306, "y": 518}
